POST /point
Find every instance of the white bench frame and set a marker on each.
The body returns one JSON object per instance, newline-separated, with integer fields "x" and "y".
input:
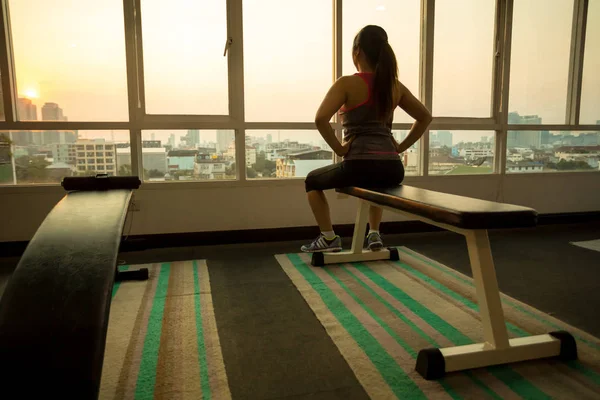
{"x": 496, "y": 348}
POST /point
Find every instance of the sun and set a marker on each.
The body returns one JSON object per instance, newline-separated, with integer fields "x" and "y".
{"x": 31, "y": 94}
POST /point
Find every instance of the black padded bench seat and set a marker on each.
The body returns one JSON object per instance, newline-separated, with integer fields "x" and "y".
{"x": 459, "y": 211}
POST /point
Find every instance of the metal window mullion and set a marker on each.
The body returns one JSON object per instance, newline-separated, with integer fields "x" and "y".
{"x": 337, "y": 62}
{"x": 575, "y": 78}
{"x": 134, "y": 77}
{"x": 7, "y": 67}
{"x": 235, "y": 63}
{"x": 426, "y": 73}
{"x": 504, "y": 87}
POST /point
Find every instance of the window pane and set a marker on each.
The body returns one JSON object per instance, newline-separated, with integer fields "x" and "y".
{"x": 49, "y": 156}
{"x": 184, "y": 68}
{"x": 70, "y": 56}
{"x": 285, "y": 154}
{"x": 590, "y": 90}
{"x": 541, "y": 42}
{"x": 288, "y": 60}
{"x": 188, "y": 155}
{"x": 461, "y": 152}
{"x": 411, "y": 157}
{"x": 544, "y": 151}
{"x": 463, "y": 57}
{"x": 401, "y": 21}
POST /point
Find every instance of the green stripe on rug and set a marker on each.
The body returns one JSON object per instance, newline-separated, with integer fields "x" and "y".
{"x": 415, "y": 328}
{"x": 591, "y": 374}
{"x": 204, "y": 382}
{"x": 444, "y": 289}
{"x": 458, "y": 277}
{"x": 513, "y": 380}
{"x": 117, "y": 285}
{"x": 147, "y": 374}
{"x": 400, "y": 383}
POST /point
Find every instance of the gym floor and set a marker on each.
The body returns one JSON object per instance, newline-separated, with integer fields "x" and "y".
{"x": 283, "y": 347}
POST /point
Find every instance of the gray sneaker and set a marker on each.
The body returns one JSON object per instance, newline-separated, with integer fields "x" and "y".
{"x": 320, "y": 244}
{"x": 374, "y": 242}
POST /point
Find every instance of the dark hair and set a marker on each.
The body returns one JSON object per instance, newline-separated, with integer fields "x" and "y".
{"x": 372, "y": 40}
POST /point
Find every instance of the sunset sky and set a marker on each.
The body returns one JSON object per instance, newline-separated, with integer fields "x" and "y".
{"x": 72, "y": 52}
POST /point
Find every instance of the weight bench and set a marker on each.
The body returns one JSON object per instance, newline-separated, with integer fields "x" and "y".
{"x": 471, "y": 218}
{"x": 55, "y": 308}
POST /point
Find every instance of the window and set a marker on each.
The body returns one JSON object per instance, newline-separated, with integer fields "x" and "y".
{"x": 285, "y": 153}
{"x": 188, "y": 155}
{"x": 557, "y": 151}
{"x": 64, "y": 67}
{"x": 461, "y": 152}
{"x": 288, "y": 58}
{"x": 411, "y": 157}
{"x": 463, "y": 58}
{"x": 541, "y": 42}
{"x": 184, "y": 68}
{"x": 400, "y": 19}
{"x": 49, "y": 156}
{"x": 590, "y": 89}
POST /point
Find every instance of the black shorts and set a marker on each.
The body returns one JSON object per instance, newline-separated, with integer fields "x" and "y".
{"x": 361, "y": 173}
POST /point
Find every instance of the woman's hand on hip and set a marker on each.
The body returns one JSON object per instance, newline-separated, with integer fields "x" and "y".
{"x": 345, "y": 148}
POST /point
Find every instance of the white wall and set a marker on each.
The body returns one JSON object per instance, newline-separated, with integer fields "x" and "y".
{"x": 188, "y": 207}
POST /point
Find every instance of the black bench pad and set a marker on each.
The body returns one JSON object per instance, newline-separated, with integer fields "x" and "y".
{"x": 458, "y": 211}
{"x": 54, "y": 310}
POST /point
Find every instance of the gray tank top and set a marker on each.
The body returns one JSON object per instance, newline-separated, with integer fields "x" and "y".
{"x": 373, "y": 138}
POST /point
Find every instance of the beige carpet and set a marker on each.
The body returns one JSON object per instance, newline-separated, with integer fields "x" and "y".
{"x": 380, "y": 314}
{"x": 162, "y": 337}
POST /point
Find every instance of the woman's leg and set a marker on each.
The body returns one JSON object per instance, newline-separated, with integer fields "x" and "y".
{"x": 317, "y": 181}
{"x": 320, "y": 208}
{"x": 375, "y": 214}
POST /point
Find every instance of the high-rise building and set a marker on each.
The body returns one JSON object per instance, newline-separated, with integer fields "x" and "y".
{"x": 526, "y": 139}
{"x": 192, "y": 138}
{"x": 52, "y": 112}
{"x": 444, "y": 138}
{"x": 224, "y": 140}
{"x": 171, "y": 141}
{"x": 27, "y": 111}
{"x": 270, "y": 137}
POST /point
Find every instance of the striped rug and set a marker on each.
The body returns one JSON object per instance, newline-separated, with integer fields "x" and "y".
{"x": 380, "y": 314}
{"x": 162, "y": 337}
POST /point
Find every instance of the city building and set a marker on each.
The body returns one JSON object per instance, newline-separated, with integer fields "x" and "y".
{"x": 524, "y": 166}
{"x": 472, "y": 153}
{"x": 52, "y": 112}
{"x": 64, "y": 153}
{"x": 209, "y": 167}
{"x": 229, "y": 154}
{"x": 529, "y": 139}
{"x": 95, "y": 156}
{"x": 224, "y": 140}
{"x": 301, "y": 163}
{"x": 192, "y": 139}
{"x": 26, "y": 110}
{"x": 440, "y": 139}
{"x": 181, "y": 160}
{"x": 153, "y": 158}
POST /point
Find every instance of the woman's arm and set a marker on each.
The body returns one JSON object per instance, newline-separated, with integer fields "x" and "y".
{"x": 413, "y": 107}
{"x": 333, "y": 101}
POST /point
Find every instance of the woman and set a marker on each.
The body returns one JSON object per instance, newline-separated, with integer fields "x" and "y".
{"x": 371, "y": 155}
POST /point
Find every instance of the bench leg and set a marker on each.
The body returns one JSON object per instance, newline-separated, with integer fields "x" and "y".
{"x": 356, "y": 253}
{"x": 496, "y": 348}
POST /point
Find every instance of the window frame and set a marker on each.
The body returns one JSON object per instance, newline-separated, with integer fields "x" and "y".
{"x": 139, "y": 120}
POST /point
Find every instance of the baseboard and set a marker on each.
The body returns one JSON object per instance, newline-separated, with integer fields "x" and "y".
{"x": 186, "y": 239}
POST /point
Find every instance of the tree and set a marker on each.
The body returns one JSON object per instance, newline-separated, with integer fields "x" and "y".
{"x": 267, "y": 167}
{"x": 154, "y": 173}
{"x": 31, "y": 169}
